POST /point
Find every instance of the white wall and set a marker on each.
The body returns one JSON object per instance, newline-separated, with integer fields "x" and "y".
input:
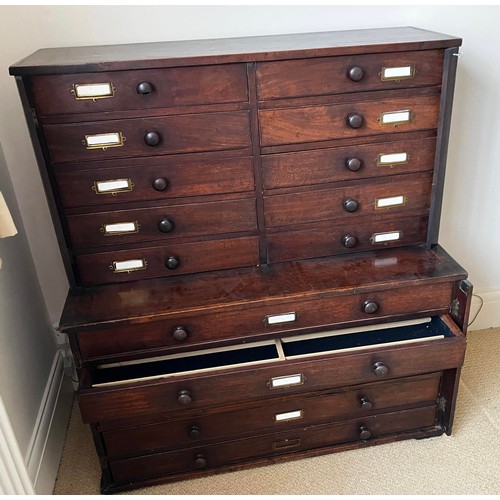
{"x": 471, "y": 204}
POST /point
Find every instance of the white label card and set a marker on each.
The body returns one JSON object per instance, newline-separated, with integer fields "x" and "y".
{"x": 393, "y": 201}
{"x": 289, "y": 415}
{"x": 111, "y": 139}
{"x": 129, "y": 265}
{"x": 90, "y": 90}
{"x": 395, "y": 117}
{"x": 399, "y": 72}
{"x": 281, "y": 318}
{"x": 390, "y": 159}
{"x": 114, "y": 185}
{"x": 287, "y": 381}
{"x": 121, "y": 227}
{"x": 385, "y": 237}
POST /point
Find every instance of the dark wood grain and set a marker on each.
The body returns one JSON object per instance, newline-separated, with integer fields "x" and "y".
{"x": 215, "y": 51}
{"x": 236, "y": 384}
{"x": 326, "y": 238}
{"x": 316, "y": 409}
{"x": 193, "y": 258}
{"x": 329, "y": 165}
{"x": 245, "y": 322}
{"x": 170, "y": 87}
{"x": 194, "y": 219}
{"x": 322, "y": 123}
{"x": 328, "y": 204}
{"x": 178, "y": 134}
{"x": 144, "y": 300}
{"x": 328, "y": 75}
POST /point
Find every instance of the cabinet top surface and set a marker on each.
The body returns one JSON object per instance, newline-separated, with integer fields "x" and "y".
{"x": 227, "y": 50}
{"x": 310, "y": 278}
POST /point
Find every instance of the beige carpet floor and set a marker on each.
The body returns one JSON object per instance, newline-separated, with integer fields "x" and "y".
{"x": 468, "y": 462}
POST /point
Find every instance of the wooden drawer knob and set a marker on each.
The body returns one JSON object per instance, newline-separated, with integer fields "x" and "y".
{"x": 184, "y": 398}
{"x": 144, "y": 88}
{"x": 350, "y": 205}
{"x": 180, "y": 333}
{"x": 160, "y": 184}
{"x": 172, "y": 263}
{"x": 364, "y": 433}
{"x": 370, "y": 307}
{"x": 165, "y": 225}
{"x": 200, "y": 462}
{"x": 152, "y": 138}
{"x": 349, "y": 241}
{"x": 354, "y": 120}
{"x": 365, "y": 403}
{"x": 353, "y": 164}
{"x": 380, "y": 369}
{"x": 355, "y": 73}
{"x": 194, "y": 432}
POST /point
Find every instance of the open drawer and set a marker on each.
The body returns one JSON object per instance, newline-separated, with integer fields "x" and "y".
{"x": 286, "y": 366}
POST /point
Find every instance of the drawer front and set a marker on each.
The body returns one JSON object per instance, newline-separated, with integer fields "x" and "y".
{"x": 231, "y": 452}
{"x": 145, "y": 89}
{"x": 379, "y": 197}
{"x": 347, "y": 163}
{"x": 339, "y": 75}
{"x": 329, "y": 238}
{"x": 181, "y": 258}
{"x": 329, "y": 122}
{"x": 204, "y": 389}
{"x": 162, "y": 223}
{"x": 273, "y": 417}
{"x": 153, "y": 179}
{"x": 165, "y": 135}
{"x": 196, "y": 329}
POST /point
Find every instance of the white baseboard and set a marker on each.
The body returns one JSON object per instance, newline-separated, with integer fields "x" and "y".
{"x": 489, "y": 316}
{"x": 45, "y": 448}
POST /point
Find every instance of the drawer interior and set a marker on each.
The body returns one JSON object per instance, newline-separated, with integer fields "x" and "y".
{"x": 278, "y": 350}
{"x": 426, "y": 329}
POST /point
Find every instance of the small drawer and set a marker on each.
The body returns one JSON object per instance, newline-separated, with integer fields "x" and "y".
{"x": 75, "y": 142}
{"x": 395, "y": 195}
{"x": 279, "y": 416}
{"x": 342, "y": 121}
{"x": 271, "y": 445}
{"x": 168, "y": 260}
{"x": 344, "y": 74}
{"x": 139, "y": 90}
{"x": 195, "y": 329}
{"x": 163, "y": 223}
{"x": 153, "y": 179}
{"x": 296, "y": 365}
{"x": 322, "y": 239}
{"x": 347, "y": 163}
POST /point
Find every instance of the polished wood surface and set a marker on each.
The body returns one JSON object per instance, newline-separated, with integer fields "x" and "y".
{"x": 251, "y": 244}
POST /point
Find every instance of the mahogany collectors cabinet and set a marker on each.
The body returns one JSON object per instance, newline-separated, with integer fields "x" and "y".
{"x": 250, "y": 230}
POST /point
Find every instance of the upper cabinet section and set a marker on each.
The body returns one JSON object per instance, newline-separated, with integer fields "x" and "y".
{"x": 138, "y": 90}
{"x": 340, "y": 75}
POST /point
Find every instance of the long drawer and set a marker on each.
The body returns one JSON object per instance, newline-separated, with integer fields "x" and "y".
{"x": 321, "y": 436}
{"x": 339, "y": 121}
{"x": 358, "y": 200}
{"x": 356, "y": 73}
{"x": 168, "y": 260}
{"x": 195, "y": 329}
{"x": 321, "y": 239}
{"x": 138, "y": 90}
{"x": 290, "y": 366}
{"x": 273, "y": 417}
{"x": 74, "y": 142}
{"x": 148, "y": 179}
{"x": 161, "y": 223}
{"x": 362, "y": 161}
